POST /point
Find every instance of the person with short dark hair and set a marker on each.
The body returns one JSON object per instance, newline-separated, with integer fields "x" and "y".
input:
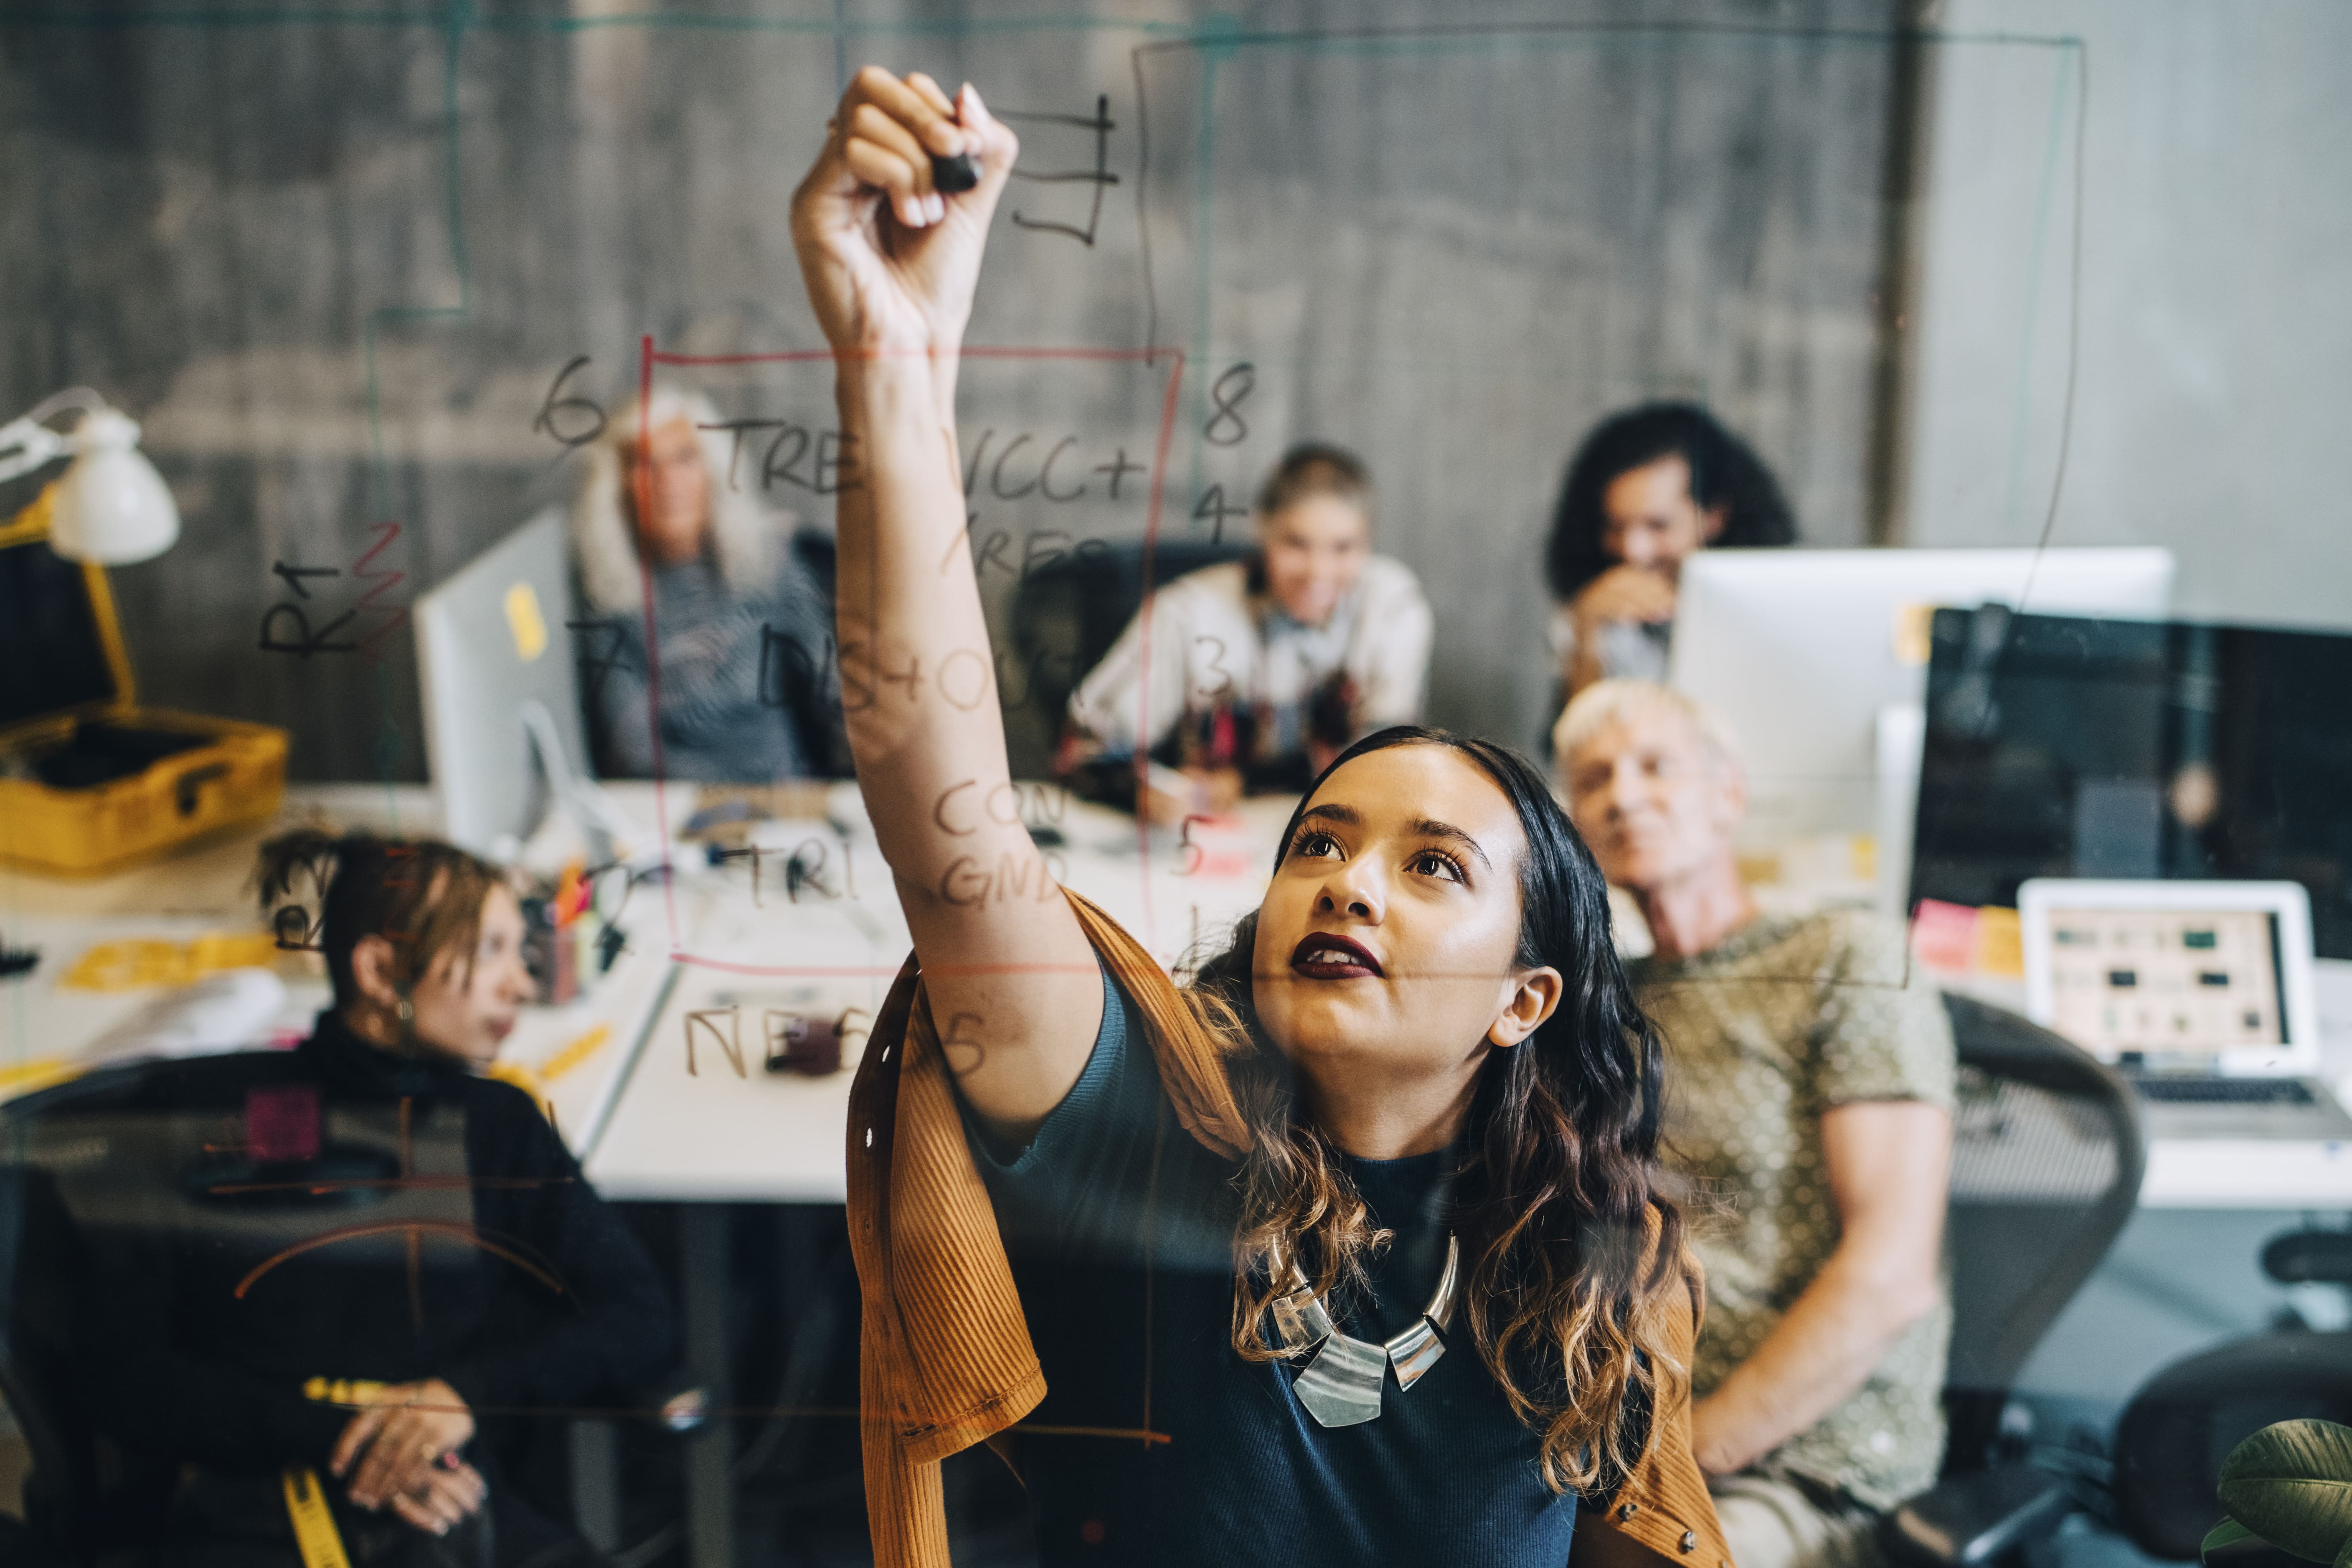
{"x": 375, "y": 1263}
{"x": 1252, "y": 674}
{"x": 1648, "y": 489}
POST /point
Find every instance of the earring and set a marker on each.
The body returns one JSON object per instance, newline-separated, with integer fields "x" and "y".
{"x": 405, "y": 1012}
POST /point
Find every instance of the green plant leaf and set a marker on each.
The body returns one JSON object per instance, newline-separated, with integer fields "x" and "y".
{"x": 2344, "y": 1553}
{"x": 2292, "y": 1485}
{"x": 2229, "y": 1532}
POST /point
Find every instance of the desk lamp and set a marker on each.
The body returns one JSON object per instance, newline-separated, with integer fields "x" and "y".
{"x": 110, "y": 506}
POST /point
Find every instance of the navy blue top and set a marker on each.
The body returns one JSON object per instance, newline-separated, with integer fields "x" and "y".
{"x": 1127, "y": 1287}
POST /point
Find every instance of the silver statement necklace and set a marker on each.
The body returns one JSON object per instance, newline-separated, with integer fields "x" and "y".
{"x": 1341, "y": 1386}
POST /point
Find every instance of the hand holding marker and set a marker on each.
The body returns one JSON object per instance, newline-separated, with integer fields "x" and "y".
{"x": 954, "y": 175}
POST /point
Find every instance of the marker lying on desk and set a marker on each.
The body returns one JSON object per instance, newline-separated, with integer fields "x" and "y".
{"x": 956, "y": 173}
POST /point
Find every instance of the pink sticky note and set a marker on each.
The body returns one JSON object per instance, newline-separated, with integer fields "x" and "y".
{"x": 281, "y": 1122}
{"x": 1944, "y": 936}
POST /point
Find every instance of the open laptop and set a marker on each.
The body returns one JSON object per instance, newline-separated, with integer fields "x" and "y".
{"x": 2199, "y": 992}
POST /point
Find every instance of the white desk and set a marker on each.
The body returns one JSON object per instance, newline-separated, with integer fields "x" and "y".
{"x": 208, "y": 889}
{"x": 715, "y": 1135}
{"x": 649, "y": 1130}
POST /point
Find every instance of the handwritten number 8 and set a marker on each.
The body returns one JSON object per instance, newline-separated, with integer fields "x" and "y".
{"x": 1225, "y": 427}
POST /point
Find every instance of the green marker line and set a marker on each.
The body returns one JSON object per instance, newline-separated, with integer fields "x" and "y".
{"x": 2020, "y": 399}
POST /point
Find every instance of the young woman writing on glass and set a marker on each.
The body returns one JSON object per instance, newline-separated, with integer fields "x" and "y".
{"x": 1348, "y": 1252}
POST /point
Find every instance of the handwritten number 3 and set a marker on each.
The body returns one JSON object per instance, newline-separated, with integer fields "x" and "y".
{"x": 1216, "y": 668}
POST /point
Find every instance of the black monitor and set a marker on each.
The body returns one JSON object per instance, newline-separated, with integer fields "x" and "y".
{"x": 2062, "y": 746}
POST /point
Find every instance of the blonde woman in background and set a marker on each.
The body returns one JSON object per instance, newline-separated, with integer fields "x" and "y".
{"x": 747, "y": 689}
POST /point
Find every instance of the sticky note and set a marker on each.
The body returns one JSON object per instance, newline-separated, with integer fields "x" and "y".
{"x": 523, "y": 619}
{"x": 1915, "y": 634}
{"x": 135, "y": 963}
{"x": 1944, "y": 936}
{"x": 2000, "y": 943}
{"x": 281, "y": 1122}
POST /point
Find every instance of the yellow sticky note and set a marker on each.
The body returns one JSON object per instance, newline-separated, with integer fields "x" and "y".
{"x": 135, "y": 963}
{"x": 36, "y": 1072}
{"x": 2000, "y": 943}
{"x": 1915, "y": 634}
{"x": 523, "y": 619}
{"x": 574, "y": 1053}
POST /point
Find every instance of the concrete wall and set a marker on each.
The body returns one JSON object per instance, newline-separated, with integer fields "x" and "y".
{"x": 335, "y": 269}
{"x": 2215, "y": 366}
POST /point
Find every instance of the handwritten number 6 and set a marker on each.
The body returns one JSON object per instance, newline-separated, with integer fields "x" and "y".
{"x": 555, "y": 405}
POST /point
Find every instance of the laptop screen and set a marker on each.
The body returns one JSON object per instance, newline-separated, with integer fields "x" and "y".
{"x": 2166, "y": 988}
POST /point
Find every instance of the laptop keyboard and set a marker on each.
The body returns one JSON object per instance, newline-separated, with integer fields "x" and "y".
{"x": 2224, "y": 1091}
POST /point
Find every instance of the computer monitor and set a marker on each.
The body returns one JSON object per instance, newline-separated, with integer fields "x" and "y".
{"x": 2064, "y": 746}
{"x": 494, "y": 661}
{"x": 1802, "y": 649}
{"x": 2174, "y": 977}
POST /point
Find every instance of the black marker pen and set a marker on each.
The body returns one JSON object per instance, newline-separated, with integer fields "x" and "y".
{"x": 956, "y": 173}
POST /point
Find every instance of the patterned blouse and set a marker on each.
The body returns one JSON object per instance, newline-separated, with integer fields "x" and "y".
{"x": 1764, "y": 1032}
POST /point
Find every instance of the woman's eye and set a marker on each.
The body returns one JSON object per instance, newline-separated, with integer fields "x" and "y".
{"x": 1431, "y": 864}
{"x": 1314, "y": 844}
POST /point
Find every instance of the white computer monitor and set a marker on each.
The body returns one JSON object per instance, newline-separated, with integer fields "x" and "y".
{"x": 2180, "y": 975}
{"x": 495, "y": 660}
{"x": 1802, "y": 649}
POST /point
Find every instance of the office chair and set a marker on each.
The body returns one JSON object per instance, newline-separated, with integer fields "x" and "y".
{"x": 2184, "y": 1421}
{"x": 1066, "y": 614}
{"x": 117, "y": 1157}
{"x": 2046, "y": 1164}
{"x": 86, "y": 1500}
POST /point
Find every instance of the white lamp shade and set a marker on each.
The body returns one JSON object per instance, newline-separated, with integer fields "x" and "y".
{"x": 111, "y": 507}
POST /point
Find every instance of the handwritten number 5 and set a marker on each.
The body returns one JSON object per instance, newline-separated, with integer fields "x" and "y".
{"x": 1185, "y": 842}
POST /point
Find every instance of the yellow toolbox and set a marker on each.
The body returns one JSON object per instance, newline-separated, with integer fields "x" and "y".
{"x": 90, "y": 781}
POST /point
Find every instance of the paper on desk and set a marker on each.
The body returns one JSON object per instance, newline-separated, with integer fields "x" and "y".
{"x": 231, "y": 1010}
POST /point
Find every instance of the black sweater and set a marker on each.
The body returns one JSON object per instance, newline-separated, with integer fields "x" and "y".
{"x": 421, "y": 1222}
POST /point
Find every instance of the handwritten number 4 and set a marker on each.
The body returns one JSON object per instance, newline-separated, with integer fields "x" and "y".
{"x": 1215, "y": 508}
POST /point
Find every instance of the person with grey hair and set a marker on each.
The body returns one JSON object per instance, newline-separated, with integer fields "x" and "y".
{"x": 663, "y": 529}
{"x": 1809, "y": 1099}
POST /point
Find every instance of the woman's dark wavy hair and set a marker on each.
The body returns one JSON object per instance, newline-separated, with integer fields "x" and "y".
{"x": 1554, "y": 1200}
{"x": 1724, "y": 472}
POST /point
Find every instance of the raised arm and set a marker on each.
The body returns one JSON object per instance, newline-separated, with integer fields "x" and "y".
{"x": 891, "y": 265}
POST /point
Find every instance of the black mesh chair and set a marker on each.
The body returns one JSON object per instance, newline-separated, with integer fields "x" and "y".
{"x": 93, "y": 1173}
{"x": 1066, "y": 614}
{"x": 86, "y": 1500}
{"x": 2046, "y": 1164}
{"x": 2183, "y": 1421}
